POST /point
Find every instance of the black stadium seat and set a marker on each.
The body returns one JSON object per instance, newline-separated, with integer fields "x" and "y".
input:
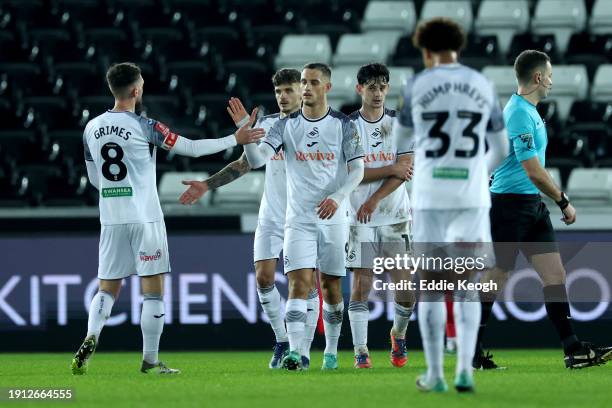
{"x": 25, "y": 78}
{"x": 79, "y": 78}
{"x": 589, "y": 50}
{"x": 527, "y": 41}
{"x": 51, "y": 112}
{"x": 69, "y": 146}
{"x": 481, "y": 51}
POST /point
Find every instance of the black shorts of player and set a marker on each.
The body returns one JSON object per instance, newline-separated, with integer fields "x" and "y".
{"x": 520, "y": 222}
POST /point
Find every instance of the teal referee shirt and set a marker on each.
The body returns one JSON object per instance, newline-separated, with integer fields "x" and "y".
{"x": 528, "y": 139}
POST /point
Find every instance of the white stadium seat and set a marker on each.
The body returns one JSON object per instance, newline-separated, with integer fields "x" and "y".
{"x": 504, "y": 80}
{"x": 344, "y": 80}
{"x": 297, "y": 49}
{"x": 389, "y": 15}
{"x": 170, "y": 187}
{"x": 602, "y": 84}
{"x": 601, "y": 17}
{"x": 458, "y": 10}
{"x": 570, "y": 83}
{"x": 504, "y": 19}
{"x": 561, "y": 18}
{"x": 590, "y": 184}
{"x": 246, "y": 190}
{"x": 357, "y": 49}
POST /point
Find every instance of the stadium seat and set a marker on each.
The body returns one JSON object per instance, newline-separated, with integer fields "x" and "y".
{"x": 590, "y": 50}
{"x": 171, "y": 188}
{"x": 561, "y": 18}
{"x": 295, "y": 50}
{"x": 333, "y": 31}
{"x": 591, "y": 184}
{"x": 356, "y": 49}
{"x": 165, "y": 43}
{"x": 590, "y": 112}
{"x": 67, "y": 145}
{"x": 266, "y": 102}
{"x": 399, "y": 76}
{"x": 109, "y": 44}
{"x": 164, "y": 108}
{"x": 25, "y": 79}
{"x": 252, "y": 75}
{"x": 193, "y": 77}
{"x": 405, "y": 54}
{"x": 601, "y": 17}
{"x": 51, "y": 112}
{"x": 344, "y": 80}
{"x": 389, "y": 15}
{"x": 91, "y": 106}
{"x": 549, "y": 112}
{"x": 601, "y": 90}
{"x": 79, "y": 78}
{"x": 13, "y": 191}
{"x": 481, "y": 51}
{"x": 11, "y": 48}
{"x": 458, "y": 10}
{"x": 571, "y": 83}
{"x": 54, "y": 45}
{"x": 504, "y": 19}
{"x": 504, "y": 80}
{"x": 527, "y": 41}
{"x": 245, "y": 190}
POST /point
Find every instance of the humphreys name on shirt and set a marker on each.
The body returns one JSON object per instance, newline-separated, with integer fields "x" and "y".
{"x": 315, "y": 156}
{"x": 457, "y": 88}
{"x": 112, "y": 130}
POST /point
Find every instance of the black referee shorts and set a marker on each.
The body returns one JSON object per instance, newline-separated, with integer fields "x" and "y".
{"x": 520, "y": 222}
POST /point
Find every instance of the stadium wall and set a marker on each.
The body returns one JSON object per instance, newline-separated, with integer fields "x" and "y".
{"x": 46, "y": 284}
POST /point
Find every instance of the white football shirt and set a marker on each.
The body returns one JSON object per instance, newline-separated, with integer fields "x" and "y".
{"x": 123, "y": 147}
{"x": 450, "y": 108}
{"x": 316, "y": 155}
{"x": 381, "y": 149}
{"x": 274, "y": 201}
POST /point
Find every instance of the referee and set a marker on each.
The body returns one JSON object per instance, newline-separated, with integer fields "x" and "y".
{"x": 519, "y": 215}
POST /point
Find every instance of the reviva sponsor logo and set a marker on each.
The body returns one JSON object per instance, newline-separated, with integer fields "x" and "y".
{"x": 279, "y": 156}
{"x": 380, "y": 156}
{"x": 315, "y": 156}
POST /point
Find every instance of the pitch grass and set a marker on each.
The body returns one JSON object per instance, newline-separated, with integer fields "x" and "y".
{"x": 534, "y": 378}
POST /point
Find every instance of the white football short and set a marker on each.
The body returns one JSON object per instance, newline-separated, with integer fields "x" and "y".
{"x": 130, "y": 249}
{"x": 319, "y": 246}
{"x": 366, "y": 243}
{"x": 468, "y": 229}
{"x": 268, "y": 242}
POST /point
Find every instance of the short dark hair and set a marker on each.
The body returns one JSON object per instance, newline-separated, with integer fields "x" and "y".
{"x": 320, "y": 66}
{"x": 371, "y": 72}
{"x": 439, "y": 34}
{"x": 286, "y": 76}
{"x": 120, "y": 76}
{"x": 527, "y": 62}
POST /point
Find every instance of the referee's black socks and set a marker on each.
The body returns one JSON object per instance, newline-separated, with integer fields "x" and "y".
{"x": 486, "y": 301}
{"x": 557, "y": 308}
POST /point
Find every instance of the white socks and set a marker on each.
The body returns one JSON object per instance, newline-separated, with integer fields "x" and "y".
{"x": 152, "y": 325}
{"x": 401, "y": 318}
{"x": 312, "y": 318}
{"x": 295, "y": 317}
{"x": 432, "y": 320}
{"x": 270, "y": 301}
{"x": 467, "y": 322}
{"x": 332, "y": 320}
{"x": 359, "y": 313}
{"x": 99, "y": 310}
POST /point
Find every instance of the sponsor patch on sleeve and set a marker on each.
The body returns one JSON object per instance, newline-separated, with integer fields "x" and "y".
{"x": 527, "y": 140}
{"x": 169, "y": 137}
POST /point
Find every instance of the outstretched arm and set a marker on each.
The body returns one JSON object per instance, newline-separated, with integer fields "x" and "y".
{"x": 226, "y": 175}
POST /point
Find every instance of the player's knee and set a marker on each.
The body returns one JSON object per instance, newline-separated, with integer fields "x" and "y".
{"x": 264, "y": 280}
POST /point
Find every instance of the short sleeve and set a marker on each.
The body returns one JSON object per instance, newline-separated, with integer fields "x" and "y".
{"x": 521, "y": 133}
{"x": 351, "y": 141}
{"x": 404, "y": 109}
{"x": 158, "y": 134}
{"x": 496, "y": 121}
{"x": 274, "y": 136}
{"x": 88, "y": 156}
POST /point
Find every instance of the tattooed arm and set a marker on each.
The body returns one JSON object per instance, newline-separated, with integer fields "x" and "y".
{"x": 226, "y": 175}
